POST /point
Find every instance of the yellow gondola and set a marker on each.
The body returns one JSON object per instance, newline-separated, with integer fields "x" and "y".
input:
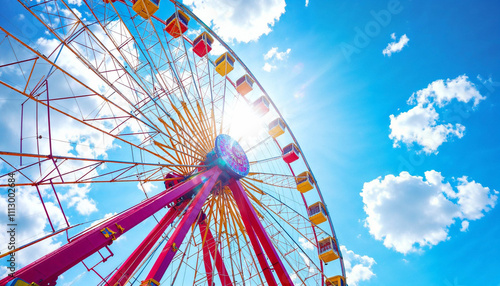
{"x": 244, "y": 84}
{"x": 146, "y": 8}
{"x": 305, "y": 182}
{"x": 276, "y": 127}
{"x": 224, "y": 64}
{"x": 335, "y": 281}
{"x": 20, "y": 282}
{"x": 328, "y": 250}
{"x": 150, "y": 282}
{"x": 317, "y": 213}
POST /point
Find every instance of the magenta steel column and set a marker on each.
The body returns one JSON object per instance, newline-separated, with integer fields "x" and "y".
{"x": 208, "y": 264}
{"x": 214, "y": 251}
{"x": 167, "y": 254}
{"x": 260, "y": 254}
{"x": 134, "y": 260}
{"x": 51, "y": 266}
{"x": 251, "y": 220}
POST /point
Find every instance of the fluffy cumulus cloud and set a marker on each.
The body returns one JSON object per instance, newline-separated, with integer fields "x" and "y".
{"x": 396, "y": 46}
{"x": 306, "y": 244}
{"x": 358, "y": 267}
{"x": 269, "y": 67}
{"x": 31, "y": 223}
{"x": 77, "y": 197}
{"x": 242, "y": 21}
{"x": 272, "y": 57}
{"x": 421, "y": 125}
{"x": 147, "y": 187}
{"x": 273, "y": 53}
{"x": 442, "y": 92}
{"x": 409, "y": 212}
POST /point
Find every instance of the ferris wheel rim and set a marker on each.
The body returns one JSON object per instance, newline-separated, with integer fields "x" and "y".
{"x": 186, "y": 9}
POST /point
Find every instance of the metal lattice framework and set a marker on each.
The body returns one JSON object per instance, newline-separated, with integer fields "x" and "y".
{"x": 110, "y": 97}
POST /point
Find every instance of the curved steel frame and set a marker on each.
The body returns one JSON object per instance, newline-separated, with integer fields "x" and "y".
{"x": 186, "y": 9}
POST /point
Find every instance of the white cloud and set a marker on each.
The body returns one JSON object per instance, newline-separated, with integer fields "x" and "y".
{"x": 465, "y": 226}
{"x": 77, "y": 197}
{"x": 32, "y": 223}
{"x": 75, "y": 2}
{"x": 217, "y": 49}
{"x": 21, "y": 17}
{"x": 474, "y": 199}
{"x": 147, "y": 187}
{"x": 421, "y": 125}
{"x": 358, "y": 267}
{"x": 242, "y": 21}
{"x": 307, "y": 3}
{"x": 442, "y": 92}
{"x": 273, "y": 57}
{"x": 410, "y": 212}
{"x": 106, "y": 217}
{"x": 306, "y": 244}
{"x": 268, "y": 67}
{"x": 396, "y": 47}
{"x": 4, "y": 271}
{"x": 273, "y": 52}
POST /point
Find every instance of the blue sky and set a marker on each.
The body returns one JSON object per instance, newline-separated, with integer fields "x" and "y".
{"x": 413, "y": 198}
{"x": 341, "y": 118}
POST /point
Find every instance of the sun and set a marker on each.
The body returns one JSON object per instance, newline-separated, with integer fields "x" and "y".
{"x": 244, "y": 124}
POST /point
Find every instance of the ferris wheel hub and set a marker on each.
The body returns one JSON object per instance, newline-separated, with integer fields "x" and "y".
{"x": 231, "y": 157}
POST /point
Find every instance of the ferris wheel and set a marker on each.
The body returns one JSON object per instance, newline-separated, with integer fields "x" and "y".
{"x": 117, "y": 96}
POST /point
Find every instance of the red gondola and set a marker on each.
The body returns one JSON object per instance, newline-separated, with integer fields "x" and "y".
{"x": 202, "y": 45}
{"x": 290, "y": 153}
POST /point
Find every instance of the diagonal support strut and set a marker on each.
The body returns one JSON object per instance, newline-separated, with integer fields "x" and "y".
{"x": 256, "y": 231}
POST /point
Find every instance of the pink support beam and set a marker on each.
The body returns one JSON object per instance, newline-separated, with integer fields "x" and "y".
{"x": 251, "y": 221}
{"x": 46, "y": 269}
{"x": 214, "y": 251}
{"x": 167, "y": 254}
{"x": 123, "y": 274}
{"x": 259, "y": 253}
{"x": 208, "y": 265}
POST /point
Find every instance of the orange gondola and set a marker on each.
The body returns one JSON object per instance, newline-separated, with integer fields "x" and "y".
{"x": 177, "y": 24}
{"x": 244, "y": 84}
{"x": 146, "y": 8}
